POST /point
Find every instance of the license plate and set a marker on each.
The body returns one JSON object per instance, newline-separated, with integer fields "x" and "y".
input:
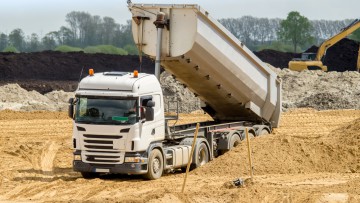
{"x": 102, "y": 170}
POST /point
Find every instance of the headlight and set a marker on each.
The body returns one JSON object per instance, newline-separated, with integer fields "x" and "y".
{"x": 135, "y": 159}
{"x": 77, "y": 157}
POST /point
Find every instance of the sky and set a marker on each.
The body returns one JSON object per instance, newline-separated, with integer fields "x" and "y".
{"x": 43, "y": 16}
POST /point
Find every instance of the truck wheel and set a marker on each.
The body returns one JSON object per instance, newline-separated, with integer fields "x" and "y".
{"x": 264, "y": 132}
{"x": 89, "y": 175}
{"x": 155, "y": 165}
{"x": 251, "y": 135}
{"x": 234, "y": 141}
{"x": 202, "y": 156}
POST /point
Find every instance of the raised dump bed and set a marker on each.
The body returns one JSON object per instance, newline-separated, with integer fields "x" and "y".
{"x": 230, "y": 80}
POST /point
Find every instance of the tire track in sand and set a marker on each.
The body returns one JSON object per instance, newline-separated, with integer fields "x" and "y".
{"x": 48, "y": 154}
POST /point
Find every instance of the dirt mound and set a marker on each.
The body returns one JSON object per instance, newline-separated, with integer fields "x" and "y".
{"x": 16, "y": 98}
{"x": 340, "y": 57}
{"x": 349, "y": 135}
{"x": 276, "y": 58}
{"x": 56, "y": 71}
{"x": 13, "y": 97}
{"x": 175, "y": 93}
{"x": 304, "y": 143}
{"x": 320, "y": 90}
{"x": 323, "y": 101}
{"x": 316, "y": 89}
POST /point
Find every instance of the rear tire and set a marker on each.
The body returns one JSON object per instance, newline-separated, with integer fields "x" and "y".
{"x": 89, "y": 175}
{"x": 234, "y": 141}
{"x": 155, "y": 165}
{"x": 202, "y": 156}
{"x": 264, "y": 132}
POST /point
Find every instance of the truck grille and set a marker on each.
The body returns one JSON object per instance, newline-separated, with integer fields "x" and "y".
{"x": 100, "y": 149}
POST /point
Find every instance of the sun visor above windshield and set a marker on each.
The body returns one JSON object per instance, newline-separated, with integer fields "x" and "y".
{"x": 119, "y": 81}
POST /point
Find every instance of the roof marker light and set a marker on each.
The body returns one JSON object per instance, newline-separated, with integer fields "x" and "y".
{"x": 91, "y": 72}
{"x": 136, "y": 74}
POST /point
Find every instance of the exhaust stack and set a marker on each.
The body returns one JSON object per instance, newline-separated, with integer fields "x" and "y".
{"x": 160, "y": 23}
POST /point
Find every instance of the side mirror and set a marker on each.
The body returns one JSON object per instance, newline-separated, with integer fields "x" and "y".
{"x": 149, "y": 114}
{"x": 71, "y": 108}
{"x": 150, "y": 104}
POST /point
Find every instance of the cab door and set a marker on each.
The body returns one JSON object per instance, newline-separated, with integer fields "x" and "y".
{"x": 154, "y": 130}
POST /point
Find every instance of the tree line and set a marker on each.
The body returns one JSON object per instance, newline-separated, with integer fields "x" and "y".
{"x": 82, "y": 30}
{"x": 92, "y": 33}
{"x": 260, "y": 33}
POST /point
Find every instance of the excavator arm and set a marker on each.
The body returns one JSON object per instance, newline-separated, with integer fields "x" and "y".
{"x": 335, "y": 39}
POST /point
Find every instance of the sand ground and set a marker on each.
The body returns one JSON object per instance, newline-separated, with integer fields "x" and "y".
{"x": 312, "y": 157}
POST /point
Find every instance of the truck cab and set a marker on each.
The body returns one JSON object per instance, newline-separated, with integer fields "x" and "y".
{"x": 117, "y": 118}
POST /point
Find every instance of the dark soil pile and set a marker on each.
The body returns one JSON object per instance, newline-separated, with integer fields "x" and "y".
{"x": 47, "y": 71}
{"x": 340, "y": 57}
{"x": 276, "y": 58}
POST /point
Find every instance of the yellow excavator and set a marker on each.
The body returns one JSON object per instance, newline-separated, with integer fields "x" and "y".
{"x": 313, "y": 61}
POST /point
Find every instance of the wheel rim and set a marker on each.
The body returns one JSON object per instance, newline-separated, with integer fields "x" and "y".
{"x": 156, "y": 165}
{"x": 264, "y": 132}
{"x": 236, "y": 141}
{"x": 202, "y": 156}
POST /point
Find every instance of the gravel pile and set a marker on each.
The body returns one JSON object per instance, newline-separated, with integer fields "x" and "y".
{"x": 13, "y": 97}
{"x": 314, "y": 89}
{"x": 320, "y": 90}
{"x": 176, "y": 94}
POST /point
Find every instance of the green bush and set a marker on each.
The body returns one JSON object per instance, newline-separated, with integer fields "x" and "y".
{"x": 66, "y": 48}
{"x": 105, "y": 49}
{"x": 10, "y": 49}
{"x": 131, "y": 49}
{"x": 92, "y": 49}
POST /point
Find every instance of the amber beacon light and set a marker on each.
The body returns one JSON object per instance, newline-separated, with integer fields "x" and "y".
{"x": 136, "y": 74}
{"x": 91, "y": 72}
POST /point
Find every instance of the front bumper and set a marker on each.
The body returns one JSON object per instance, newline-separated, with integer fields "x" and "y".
{"x": 125, "y": 168}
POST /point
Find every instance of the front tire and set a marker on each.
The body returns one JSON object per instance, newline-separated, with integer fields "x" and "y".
{"x": 155, "y": 165}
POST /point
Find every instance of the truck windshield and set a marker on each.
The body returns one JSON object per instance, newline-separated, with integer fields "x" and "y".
{"x": 103, "y": 110}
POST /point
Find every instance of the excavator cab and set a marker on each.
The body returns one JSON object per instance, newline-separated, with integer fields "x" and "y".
{"x": 308, "y": 56}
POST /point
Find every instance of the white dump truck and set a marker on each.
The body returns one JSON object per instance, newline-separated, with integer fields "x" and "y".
{"x": 119, "y": 121}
